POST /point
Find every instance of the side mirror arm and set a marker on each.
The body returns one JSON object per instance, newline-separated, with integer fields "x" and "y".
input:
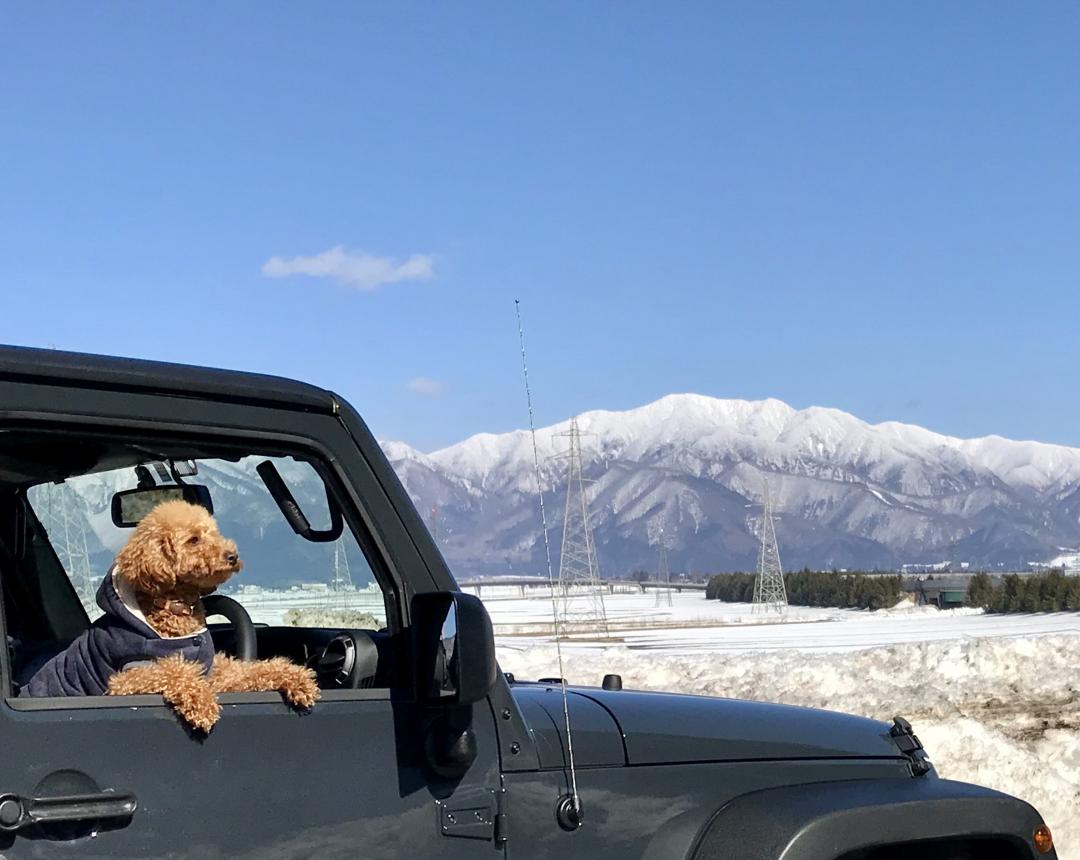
{"x": 450, "y": 743}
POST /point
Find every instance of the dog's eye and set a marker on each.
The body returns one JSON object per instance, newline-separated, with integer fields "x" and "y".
{"x": 193, "y": 539}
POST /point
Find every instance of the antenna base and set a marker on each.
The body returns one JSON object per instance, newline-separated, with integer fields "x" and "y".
{"x": 568, "y": 813}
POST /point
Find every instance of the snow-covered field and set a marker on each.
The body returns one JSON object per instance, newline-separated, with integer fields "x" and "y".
{"x": 694, "y": 625}
{"x": 995, "y": 699}
{"x": 272, "y": 607}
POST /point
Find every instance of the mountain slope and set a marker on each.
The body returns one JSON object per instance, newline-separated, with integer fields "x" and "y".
{"x": 848, "y": 493}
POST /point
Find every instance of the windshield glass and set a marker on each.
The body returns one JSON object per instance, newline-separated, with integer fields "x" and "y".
{"x": 286, "y": 579}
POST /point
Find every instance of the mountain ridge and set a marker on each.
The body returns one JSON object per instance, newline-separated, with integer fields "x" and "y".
{"x": 850, "y": 493}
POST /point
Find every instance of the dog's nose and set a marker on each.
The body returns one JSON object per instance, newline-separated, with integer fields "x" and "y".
{"x": 232, "y": 557}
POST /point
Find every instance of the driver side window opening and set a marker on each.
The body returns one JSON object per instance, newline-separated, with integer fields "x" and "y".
{"x": 58, "y": 539}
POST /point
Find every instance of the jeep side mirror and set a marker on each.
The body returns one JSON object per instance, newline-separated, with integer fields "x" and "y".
{"x": 453, "y": 648}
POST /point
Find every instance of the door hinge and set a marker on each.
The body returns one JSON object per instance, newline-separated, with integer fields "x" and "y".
{"x": 475, "y": 813}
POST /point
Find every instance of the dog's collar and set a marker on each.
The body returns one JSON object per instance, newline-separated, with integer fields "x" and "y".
{"x": 176, "y": 606}
{"x": 128, "y": 603}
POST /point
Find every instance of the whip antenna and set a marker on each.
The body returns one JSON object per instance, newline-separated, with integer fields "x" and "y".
{"x": 568, "y": 810}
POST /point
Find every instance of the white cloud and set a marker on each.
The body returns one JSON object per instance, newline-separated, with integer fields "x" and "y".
{"x": 425, "y": 387}
{"x": 356, "y": 269}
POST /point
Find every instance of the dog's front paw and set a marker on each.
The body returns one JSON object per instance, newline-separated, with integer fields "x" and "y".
{"x": 179, "y": 682}
{"x": 301, "y": 690}
{"x": 200, "y": 711}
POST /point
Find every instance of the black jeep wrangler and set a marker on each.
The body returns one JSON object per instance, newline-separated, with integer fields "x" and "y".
{"x": 419, "y": 746}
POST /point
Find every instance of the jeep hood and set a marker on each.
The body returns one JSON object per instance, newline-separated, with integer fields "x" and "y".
{"x": 664, "y": 728}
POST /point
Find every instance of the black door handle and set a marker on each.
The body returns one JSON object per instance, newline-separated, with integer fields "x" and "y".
{"x": 18, "y": 812}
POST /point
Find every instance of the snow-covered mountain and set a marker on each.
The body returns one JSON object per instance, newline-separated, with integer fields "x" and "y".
{"x": 847, "y": 493}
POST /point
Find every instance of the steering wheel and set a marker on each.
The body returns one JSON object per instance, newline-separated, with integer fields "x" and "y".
{"x": 237, "y": 616}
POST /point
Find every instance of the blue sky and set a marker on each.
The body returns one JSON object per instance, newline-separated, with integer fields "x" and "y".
{"x": 838, "y": 204}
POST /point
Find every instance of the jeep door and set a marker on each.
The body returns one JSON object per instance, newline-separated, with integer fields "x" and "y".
{"x": 120, "y": 776}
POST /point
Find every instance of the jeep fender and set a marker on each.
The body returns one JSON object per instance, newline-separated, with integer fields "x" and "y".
{"x": 821, "y": 821}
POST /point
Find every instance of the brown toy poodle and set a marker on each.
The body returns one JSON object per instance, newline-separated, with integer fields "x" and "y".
{"x": 176, "y": 556}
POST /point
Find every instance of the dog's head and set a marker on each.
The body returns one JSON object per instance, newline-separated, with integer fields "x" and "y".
{"x": 177, "y": 546}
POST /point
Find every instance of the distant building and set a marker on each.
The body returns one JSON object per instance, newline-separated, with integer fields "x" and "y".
{"x": 943, "y": 591}
{"x": 247, "y": 588}
{"x": 936, "y": 567}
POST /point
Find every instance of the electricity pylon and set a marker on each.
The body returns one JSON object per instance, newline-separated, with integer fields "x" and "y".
{"x": 663, "y": 576}
{"x": 342, "y": 580}
{"x": 435, "y": 523}
{"x": 65, "y": 522}
{"x": 579, "y": 573}
{"x": 769, "y": 591}
{"x": 341, "y": 584}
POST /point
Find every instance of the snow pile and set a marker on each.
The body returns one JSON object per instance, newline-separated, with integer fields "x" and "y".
{"x": 907, "y": 609}
{"x": 1000, "y": 712}
{"x": 313, "y": 616}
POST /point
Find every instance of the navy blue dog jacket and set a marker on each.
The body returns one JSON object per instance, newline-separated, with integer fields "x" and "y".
{"x": 118, "y": 639}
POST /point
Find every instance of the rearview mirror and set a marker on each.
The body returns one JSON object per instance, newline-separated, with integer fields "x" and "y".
{"x": 130, "y": 506}
{"x": 454, "y": 649}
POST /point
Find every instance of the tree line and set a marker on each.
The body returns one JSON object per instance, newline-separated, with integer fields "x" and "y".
{"x": 849, "y": 590}
{"x": 1051, "y": 591}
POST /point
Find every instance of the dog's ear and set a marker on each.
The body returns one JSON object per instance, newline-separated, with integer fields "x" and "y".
{"x": 148, "y": 561}
{"x": 167, "y": 546}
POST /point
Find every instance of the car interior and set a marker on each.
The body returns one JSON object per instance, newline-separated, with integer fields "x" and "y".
{"x": 44, "y": 610}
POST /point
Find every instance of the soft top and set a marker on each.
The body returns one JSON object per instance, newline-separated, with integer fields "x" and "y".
{"x": 56, "y": 367}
